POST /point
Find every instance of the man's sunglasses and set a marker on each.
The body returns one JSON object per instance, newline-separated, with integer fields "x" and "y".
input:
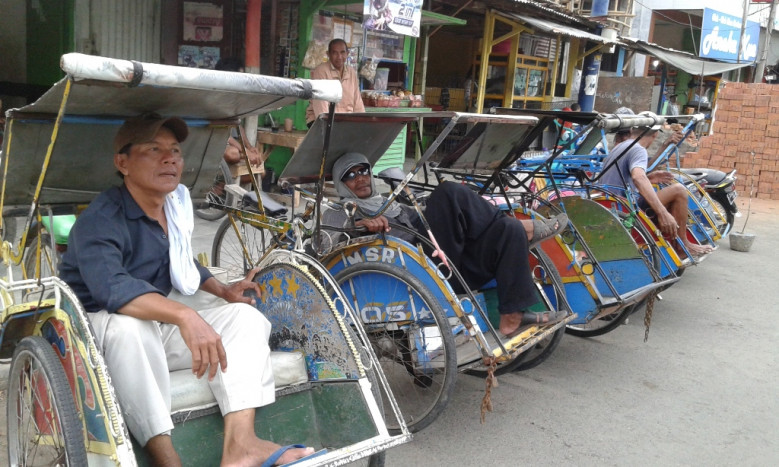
{"x": 362, "y": 171}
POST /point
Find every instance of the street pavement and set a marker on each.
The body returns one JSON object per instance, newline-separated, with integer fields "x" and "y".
{"x": 701, "y": 391}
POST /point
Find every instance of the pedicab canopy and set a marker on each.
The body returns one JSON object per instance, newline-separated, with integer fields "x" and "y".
{"x": 485, "y": 138}
{"x": 99, "y": 93}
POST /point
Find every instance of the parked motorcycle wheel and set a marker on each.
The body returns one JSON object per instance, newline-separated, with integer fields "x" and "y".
{"x": 730, "y": 217}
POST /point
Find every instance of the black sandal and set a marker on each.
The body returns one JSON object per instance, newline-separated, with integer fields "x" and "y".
{"x": 544, "y": 229}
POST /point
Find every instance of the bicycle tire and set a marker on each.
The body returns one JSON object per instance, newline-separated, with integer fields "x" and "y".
{"x": 49, "y": 258}
{"x": 210, "y": 214}
{"x": 54, "y": 423}
{"x": 600, "y": 326}
{"x": 546, "y": 346}
{"x": 224, "y": 177}
{"x": 227, "y": 251}
{"x": 421, "y": 393}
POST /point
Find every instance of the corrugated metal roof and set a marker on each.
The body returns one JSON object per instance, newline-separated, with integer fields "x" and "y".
{"x": 554, "y": 9}
{"x": 550, "y": 26}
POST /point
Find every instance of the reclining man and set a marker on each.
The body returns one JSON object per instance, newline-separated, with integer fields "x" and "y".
{"x": 478, "y": 239}
{"x": 126, "y": 252}
{"x": 669, "y": 204}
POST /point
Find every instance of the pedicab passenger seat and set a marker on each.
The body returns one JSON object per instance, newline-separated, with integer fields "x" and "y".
{"x": 248, "y": 200}
{"x": 189, "y": 394}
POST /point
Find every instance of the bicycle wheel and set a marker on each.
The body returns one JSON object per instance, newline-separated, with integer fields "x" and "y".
{"x": 537, "y": 354}
{"x": 724, "y": 228}
{"x": 43, "y": 425}
{"x": 600, "y": 326}
{"x": 49, "y": 258}
{"x": 228, "y": 252}
{"x": 410, "y": 334}
{"x": 222, "y": 178}
{"x": 548, "y": 274}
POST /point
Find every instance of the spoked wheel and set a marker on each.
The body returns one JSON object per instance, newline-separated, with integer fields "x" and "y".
{"x": 410, "y": 334}
{"x": 547, "y": 280}
{"x": 545, "y": 273}
{"x": 43, "y": 426}
{"x": 217, "y": 193}
{"x": 228, "y": 248}
{"x": 725, "y": 228}
{"x": 600, "y": 326}
{"x": 49, "y": 258}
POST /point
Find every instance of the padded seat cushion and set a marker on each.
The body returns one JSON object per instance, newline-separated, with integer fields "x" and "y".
{"x": 187, "y": 392}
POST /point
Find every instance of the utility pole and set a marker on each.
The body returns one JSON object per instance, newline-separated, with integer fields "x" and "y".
{"x": 769, "y": 28}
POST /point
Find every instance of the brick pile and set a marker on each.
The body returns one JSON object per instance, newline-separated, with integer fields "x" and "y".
{"x": 746, "y": 120}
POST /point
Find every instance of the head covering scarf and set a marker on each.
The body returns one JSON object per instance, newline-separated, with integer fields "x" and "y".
{"x": 371, "y": 204}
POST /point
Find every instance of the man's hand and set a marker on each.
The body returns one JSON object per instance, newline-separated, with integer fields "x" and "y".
{"x": 232, "y": 153}
{"x": 234, "y": 293}
{"x": 675, "y": 137}
{"x": 667, "y": 223}
{"x": 208, "y": 354}
{"x": 660, "y": 176}
{"x": 375, "y": 225}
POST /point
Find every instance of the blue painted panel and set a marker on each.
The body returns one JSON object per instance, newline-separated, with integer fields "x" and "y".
{"x": 626, "y": 275}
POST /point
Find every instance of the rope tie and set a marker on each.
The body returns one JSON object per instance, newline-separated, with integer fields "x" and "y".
{"x": 492, "y": 382}
{"x": 650, "y": 305}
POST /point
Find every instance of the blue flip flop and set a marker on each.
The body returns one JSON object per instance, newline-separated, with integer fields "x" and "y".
{"x": 271, "y": 461}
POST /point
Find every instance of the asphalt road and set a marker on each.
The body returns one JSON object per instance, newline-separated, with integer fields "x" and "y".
{"x": 701, "y": 391}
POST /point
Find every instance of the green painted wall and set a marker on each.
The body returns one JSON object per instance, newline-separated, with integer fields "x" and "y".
{"x": 49, "y": 35}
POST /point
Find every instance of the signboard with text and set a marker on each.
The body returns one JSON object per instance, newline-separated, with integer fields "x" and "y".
{"x": 399, "y": 16}
{"x": 721, "y": 34}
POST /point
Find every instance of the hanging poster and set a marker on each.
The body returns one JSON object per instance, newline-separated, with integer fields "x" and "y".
{"x": 198, "y": 57}
{"x": 202, "y": 22}
{"x": 399, "y": 16}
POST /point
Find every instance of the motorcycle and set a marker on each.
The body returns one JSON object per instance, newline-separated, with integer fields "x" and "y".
{"x": 721, "y": 188}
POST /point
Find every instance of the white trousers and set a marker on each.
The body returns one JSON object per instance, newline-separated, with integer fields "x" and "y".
{"x": 140, "y": 354}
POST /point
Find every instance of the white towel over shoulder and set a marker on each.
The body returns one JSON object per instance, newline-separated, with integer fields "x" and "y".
{"x": 183, "y": 272}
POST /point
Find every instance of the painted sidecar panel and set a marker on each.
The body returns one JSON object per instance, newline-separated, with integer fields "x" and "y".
{"x": 328, "y": 415}
{"x": 600, "y": 230}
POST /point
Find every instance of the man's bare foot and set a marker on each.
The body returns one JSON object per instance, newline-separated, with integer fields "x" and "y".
{"x": 161, "y": 451}
{"x": 257, "y": 451}
{"x": 510, "y": 322}
{"x": 698, "y": 250}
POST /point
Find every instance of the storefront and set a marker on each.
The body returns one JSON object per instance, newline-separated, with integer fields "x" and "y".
{"x": 700, "y": 91}
{"x": 713, "y": 37}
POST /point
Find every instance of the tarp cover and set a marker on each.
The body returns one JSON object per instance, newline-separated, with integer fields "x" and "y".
{"x": 683, "y": 60}
{"x": 104, "y": 92}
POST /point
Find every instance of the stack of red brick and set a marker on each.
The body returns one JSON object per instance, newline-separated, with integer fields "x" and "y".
{"x": 746, "y": 120}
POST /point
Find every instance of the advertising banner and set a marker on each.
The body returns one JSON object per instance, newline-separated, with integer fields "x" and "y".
{"x": 720, "y": 37}
{"x": 398, "y": 16}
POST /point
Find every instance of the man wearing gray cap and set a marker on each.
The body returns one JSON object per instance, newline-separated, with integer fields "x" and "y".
{"x": 126, "y": 252}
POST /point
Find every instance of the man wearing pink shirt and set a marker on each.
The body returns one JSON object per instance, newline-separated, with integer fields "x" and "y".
{"x": 335, "y": 68}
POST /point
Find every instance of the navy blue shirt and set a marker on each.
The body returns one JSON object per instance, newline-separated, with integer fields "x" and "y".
{"x": 117, "y": 253}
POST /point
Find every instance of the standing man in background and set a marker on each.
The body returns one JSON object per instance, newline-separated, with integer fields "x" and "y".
{"x": 335, "y": 68}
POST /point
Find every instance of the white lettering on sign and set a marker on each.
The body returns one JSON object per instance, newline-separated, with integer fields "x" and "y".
{"x": 719, "y": 43}
{"x": 372, "y": 254}
{"x": 748, "y": 51}
{"x": 385, "y": 312}
{"x": 728, "y": 44}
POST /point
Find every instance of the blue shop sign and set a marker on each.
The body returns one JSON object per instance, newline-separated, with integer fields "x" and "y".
{"x": 720, "y": 36}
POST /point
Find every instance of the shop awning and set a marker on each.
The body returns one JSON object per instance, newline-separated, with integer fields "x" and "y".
{"x": 436, "y": 19}
{"x": 556, "y": 28}
{"x": 682, "y": 60}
